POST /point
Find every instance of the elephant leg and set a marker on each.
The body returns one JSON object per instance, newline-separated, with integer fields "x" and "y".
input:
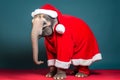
{"x": 52, "y": 72}
{"x": 61, "y": 74}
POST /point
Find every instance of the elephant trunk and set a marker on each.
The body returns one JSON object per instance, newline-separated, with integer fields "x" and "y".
{"x": 34, "y": 38}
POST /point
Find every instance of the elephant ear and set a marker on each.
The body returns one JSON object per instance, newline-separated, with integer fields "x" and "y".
{"x": 47, "y": 31}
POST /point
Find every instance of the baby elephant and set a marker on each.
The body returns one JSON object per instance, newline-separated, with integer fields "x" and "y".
{"x": 68, "y": 40}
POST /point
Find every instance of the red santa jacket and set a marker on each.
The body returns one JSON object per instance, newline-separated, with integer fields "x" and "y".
{"x": 77, "y": 43}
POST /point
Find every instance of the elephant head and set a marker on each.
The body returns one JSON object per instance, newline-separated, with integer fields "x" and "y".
{"x": 42, "y": 25}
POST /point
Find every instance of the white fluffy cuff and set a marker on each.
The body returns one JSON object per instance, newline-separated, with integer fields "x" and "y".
{"x": 63, "y": 65}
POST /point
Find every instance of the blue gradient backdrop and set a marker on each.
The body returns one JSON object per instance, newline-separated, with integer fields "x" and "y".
{"x": 103, "y": 17}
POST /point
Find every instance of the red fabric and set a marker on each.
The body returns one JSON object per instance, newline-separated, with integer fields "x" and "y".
{"x": 84, "y": 69}
{"x": 40, "y": 75}
{"x": 78, "y": 42}
{"x": 52, "y": 8}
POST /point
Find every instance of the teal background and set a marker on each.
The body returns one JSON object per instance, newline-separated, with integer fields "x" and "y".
{"x": 103, "y": 17}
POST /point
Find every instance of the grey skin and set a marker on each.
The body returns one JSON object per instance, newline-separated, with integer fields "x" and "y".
{"x": 43, "y": 25}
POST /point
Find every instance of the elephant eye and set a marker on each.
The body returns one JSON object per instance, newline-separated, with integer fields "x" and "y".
{"x": 44, "y": 23}
{"x": 43, "y": 28}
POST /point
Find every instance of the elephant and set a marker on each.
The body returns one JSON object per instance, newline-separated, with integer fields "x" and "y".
{"x": 68, "y": 40}
{"x": 42, "y": 26}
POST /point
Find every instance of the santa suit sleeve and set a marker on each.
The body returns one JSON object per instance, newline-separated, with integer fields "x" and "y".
{"x": 64, "y": 50}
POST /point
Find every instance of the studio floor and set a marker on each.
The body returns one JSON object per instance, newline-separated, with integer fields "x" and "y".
{"x": 40, "y": 75}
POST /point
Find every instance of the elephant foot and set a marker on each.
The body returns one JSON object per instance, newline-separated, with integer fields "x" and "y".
{"x": 53, "y": 71}
{"x": 80, "y": 74}
{"x": 61, "y": 75}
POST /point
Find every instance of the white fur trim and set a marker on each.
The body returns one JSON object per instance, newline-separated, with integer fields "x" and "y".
{"x": 61, "y": 64}
{"x": 51, "y": 13}
{"x": 51, "y": 62}
{"x": 60, "y": 29}
{"x": 87, "y": 62}
{"x": 97, "y": 57}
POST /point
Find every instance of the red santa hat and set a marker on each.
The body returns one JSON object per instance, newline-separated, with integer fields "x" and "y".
{"x": 52, "y": 12}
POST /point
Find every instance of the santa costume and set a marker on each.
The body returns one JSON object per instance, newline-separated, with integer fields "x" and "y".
{"x": 72, "y": 41}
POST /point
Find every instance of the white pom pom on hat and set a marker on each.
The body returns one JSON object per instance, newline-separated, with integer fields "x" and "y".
{"x": 60, "y": 29}
{"x": 52, "y": 12}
